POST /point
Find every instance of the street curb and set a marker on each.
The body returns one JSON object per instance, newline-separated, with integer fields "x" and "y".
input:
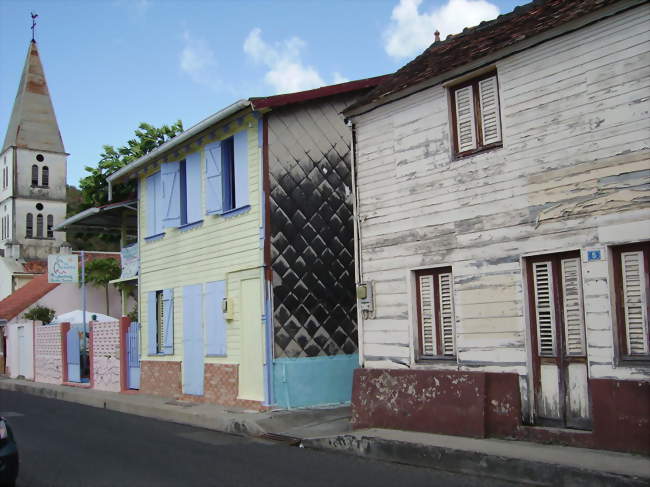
{"x": 231, "y": 425}
{"x": 528, "y": 472}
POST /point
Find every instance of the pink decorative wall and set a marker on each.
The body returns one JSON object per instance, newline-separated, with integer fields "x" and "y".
{"x": 48, "y": 355}
{"x": 106, "y": 356}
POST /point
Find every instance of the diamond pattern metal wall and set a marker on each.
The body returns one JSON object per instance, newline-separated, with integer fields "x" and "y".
{"x": 311, "y": 232}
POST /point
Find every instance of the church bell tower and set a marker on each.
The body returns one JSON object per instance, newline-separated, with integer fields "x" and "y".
{"x": 33, "y": 166}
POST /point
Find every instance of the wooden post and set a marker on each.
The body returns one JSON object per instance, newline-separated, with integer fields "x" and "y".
{"x": 124, "y": 359}
{"x": 65, "y": 327}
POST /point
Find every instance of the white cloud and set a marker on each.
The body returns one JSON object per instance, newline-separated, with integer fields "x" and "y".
{"x": 198, "y": 61}
{"x": 286, "y": 70}
{"x": 411, "y": 31}
{"x": 339, "y": 78}
{"x": 135, "y": 8}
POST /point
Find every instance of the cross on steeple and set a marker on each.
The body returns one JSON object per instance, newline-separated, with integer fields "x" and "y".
{"x": 33, "y": 25}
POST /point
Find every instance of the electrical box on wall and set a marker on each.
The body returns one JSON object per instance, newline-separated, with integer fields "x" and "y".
{"x": 365, "y": 296}
{"x": 227, "y": 308}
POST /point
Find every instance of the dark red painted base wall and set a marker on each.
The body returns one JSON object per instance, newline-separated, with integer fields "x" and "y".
{"x": 482, "y": 404}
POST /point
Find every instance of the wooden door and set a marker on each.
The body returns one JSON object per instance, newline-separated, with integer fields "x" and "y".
{"x": 560, "y": 373}
{"x": 133, "y": 356}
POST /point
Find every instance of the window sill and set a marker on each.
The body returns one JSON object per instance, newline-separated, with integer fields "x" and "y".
{"x": 634, "y": 361}
{"x": 480, "y": 150}
{"x": 440, "y": 359}
{"x": 39, "y": 238}
{"x": 153, "y": 238}
{"x": 216, "y": 355}
{"x": 233, "y": 212}
{"x": 189, "y": 226}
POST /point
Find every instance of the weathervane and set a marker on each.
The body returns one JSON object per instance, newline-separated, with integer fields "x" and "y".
{"x": 33, "y": 25}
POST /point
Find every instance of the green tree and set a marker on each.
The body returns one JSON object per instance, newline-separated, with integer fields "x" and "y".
{"x": 40, "y": 313}
{"x": 99, "y": 272}
{"x": 94, "y": 187}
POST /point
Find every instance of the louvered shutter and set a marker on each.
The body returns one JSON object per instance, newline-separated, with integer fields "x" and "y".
{"x": 427, "y": 315}
{"x": 446, "y": 314}
{"x": 465, "y": 123}
{"x": 544, "y": 308}
{"x": 171, "y": 194}
{"x": 193, "y": 182}
{"x": 635, "y": 302}
{"x": 241, "y": 168}
{"x": 152, "y": 323}
{"x": 490, "y": 115}
{"x": 574, "y": 324}
{"x": 215, "y": 322}
{"x": 168, "y": 322}
{"x": 213, "y": 185}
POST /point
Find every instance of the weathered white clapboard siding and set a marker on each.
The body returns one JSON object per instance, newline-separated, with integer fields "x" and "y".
{"x": 221, "y": 248}
{"x": 575, "y": 164}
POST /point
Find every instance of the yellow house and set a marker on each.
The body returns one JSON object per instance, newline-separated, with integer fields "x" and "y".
{"x": 246, "y": 283}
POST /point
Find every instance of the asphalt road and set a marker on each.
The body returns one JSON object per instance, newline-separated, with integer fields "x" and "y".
{"x": 65, "y": 444}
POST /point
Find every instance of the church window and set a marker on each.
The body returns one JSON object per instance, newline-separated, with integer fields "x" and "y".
{"x": 39, "y": 226}
{"x": 39, "y": 206}
{"x": 29, "y": 226}
{"x": 40, "y": 158}
{"x": 34, "y": 175}
{"x": 45, "y": 176}
{"x": 50, "y": 226}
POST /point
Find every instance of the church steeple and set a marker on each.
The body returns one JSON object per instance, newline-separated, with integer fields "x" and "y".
{"x": 33, "y": 122}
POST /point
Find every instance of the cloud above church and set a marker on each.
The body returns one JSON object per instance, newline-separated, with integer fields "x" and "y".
{"x": 198, "y": 61}
{"x": 411, "y": 31}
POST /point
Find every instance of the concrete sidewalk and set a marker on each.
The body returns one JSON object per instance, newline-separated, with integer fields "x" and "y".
{"x": 329, "y": 429}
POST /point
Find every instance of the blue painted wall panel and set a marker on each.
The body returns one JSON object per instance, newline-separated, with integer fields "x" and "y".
{"x": 310, "y": 381}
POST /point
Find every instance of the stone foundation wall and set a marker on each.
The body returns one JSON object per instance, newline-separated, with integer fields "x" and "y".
{"x": 160, "y": 378}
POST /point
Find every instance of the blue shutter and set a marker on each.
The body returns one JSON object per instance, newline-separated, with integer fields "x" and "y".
{"x": 213, "y": 189}
{"x": 171, "y": 194}
{"x": 241, "y": 169}
{"x": 215, "y": 322}
{"x": 168, "y": 316}
{"x": 193, "y": 369}
{"x": 152, "y": 199}
{"x": 193, "y": 179}
{"x": 151, "y": 322}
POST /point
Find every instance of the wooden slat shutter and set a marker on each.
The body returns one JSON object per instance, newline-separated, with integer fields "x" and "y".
{"x": 168, "y": 322}
{"x": 241, "y": 168}
{"x": 428, "y": 316}
{"x": 544, "y": 308}
{"x": 193, "y": 182}
{"x": 151, "y": 204}
{"x": 171, "y": 194}
{"x": 490, "y": 115}
{"x": 213, "y": 184}
{"x": 445, "y": 294}
{"x": 465, "y": 123}
{"x": 214, "y": 319}
{"x": 152, "y": 323}
{"x": 634, "y": 302}
{"x": 193, "y": 371}
{"x": 574, "y": 321}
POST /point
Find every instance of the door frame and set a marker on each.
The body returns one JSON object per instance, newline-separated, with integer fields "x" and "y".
{"x": 562, "y": 360}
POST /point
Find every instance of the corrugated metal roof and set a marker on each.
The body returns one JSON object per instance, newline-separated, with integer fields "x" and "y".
{"x": 33, "y": 122}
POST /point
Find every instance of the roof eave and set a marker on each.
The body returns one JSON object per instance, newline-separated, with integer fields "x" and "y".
{"x": 357, "y": 110}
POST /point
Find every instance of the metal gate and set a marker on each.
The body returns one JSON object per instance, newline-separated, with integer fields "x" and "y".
{"x": 133, "y": 356}
{"x": 73, "y": 350}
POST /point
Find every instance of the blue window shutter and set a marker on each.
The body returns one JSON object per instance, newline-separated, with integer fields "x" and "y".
{"x": 241, "y": 169}
{"x": 215, "y": 321}
{"x": 171, "y": 194}
{"x": 152, "y": 198}
{"x": 213, "y": 188}
{"x": 193, "y": 177}
{"x": 151, "y": 322}
{"x": 168, "y": 316}
{"x": 193, "y": 371}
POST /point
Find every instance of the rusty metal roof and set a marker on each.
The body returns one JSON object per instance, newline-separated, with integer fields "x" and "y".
{"x": 33, "y": 123}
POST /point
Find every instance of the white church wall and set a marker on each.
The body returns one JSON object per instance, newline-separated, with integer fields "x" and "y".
{"x": 57, "y": 167}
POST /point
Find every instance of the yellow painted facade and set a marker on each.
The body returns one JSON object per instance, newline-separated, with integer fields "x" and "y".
{"x": 221, "y": 248}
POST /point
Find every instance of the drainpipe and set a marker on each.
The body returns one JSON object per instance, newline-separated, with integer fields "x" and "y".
{"x": 358, "y": 269}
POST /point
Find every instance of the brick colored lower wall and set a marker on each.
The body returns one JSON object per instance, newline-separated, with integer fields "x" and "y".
{"x": 221, "y": 384}
{"x": 488, "y": 404}
{"x": 160, "y": 378}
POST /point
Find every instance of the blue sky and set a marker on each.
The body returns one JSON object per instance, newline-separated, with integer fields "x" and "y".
{"x": 111, "y": 64}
